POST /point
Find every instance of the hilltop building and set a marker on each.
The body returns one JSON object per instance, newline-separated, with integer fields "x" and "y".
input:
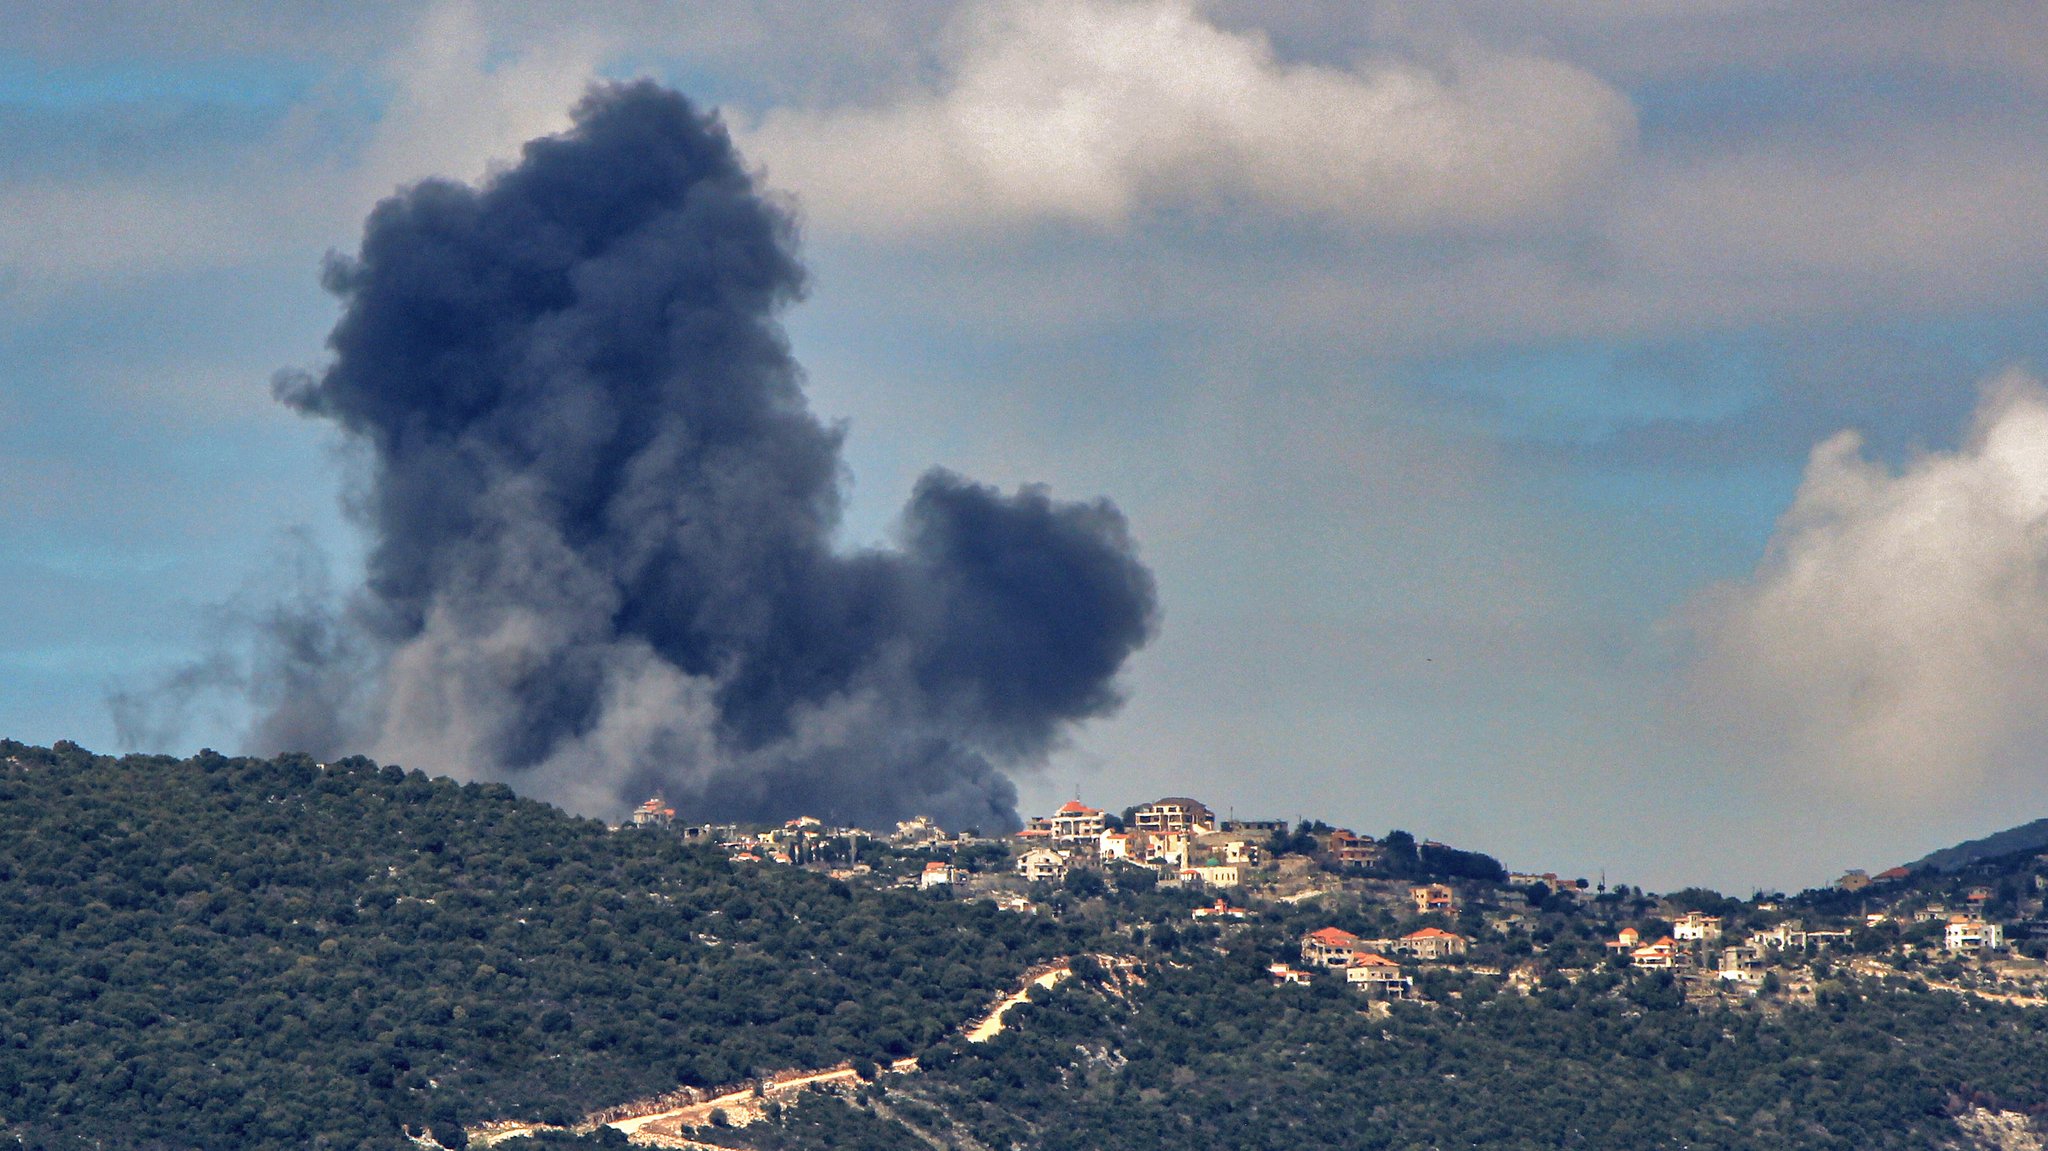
{"x": 1347, "y": 846}
{"x": 1075, "y": 822}
{"x": 654, "y": 813}
{"x": 1693, "y": 927}
{"x": 1173, "y": 813}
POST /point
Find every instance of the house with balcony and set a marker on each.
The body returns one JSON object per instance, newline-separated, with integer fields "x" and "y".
{"x": 1969, "y": 935}
{"x": 1430, "y": 897}
{"x": 1693, "y": 927}
{"x": 1042, "y": 865}
{"x": 1173, "y": 813}
{"x": 1345, "y": 846}
{"x": 1075, "y": 822}
{"x": 1432, "y": 943}
{"x": 1378, "y": 975}
{"x": 1330, "y": 947}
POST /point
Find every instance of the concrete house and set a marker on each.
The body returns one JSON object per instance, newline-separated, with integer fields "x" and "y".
{"x": 1042, "y": 865}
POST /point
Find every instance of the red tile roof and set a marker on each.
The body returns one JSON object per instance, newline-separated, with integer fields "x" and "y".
{"x": 1334, "y": 937}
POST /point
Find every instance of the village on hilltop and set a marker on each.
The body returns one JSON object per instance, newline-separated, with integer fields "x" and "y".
{"x": 1391, "y": 917}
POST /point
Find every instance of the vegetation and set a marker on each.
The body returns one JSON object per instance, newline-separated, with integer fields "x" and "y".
{"x": 241, "y": 953}
{"x": 1209, "y": 1053}
{"x": 238, "y": 953}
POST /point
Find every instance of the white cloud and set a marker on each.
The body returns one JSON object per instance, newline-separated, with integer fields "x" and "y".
{"x": 458, "y": 101}
{"x": 1895, "y": 637}
{"x": 1087, "y": 110}
{"x": 458, "y": 109}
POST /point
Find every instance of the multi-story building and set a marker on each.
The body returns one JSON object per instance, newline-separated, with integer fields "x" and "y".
{"x": 1347, "y": 846}
{"x": 1329, "y": 947}
{"x": 1075, "y": 822}
{"x": 653, "y": 813}
{"x": 1434, "y": 897}
{"x": 917, "y": 832}
{"x": 1042, "y": 865}
{"x": 1693, "y": 927}
{"x": 1173, "y": 813}
{"x": 1378, "y": 975}
{"x": 1967, "y": 935}
{"x": 1432, "y": 943}
{"x": 1163, "y": 848}
{"x": 1428, "y": 943}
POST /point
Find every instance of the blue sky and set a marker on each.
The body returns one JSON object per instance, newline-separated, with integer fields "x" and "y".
{"x": 1462, "y": 373}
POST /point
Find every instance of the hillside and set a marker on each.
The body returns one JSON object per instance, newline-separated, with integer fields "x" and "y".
{"x": 237, "y": 953}
{"x": 2026, "y": 837}
{"x": 241, "y": 953}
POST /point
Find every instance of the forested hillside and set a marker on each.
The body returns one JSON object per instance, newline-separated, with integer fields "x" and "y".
{"x": 231, "y": 953}
{"x": 1209, "y": 1055}
{"x": 234, "y": 953}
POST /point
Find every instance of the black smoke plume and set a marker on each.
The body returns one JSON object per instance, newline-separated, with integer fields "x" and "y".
{"x": 601, "y": 516}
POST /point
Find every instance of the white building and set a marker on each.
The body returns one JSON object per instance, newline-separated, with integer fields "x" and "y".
{"x": 1169, "y": 847}
{"x": 1378, "y": 975}
{"x": 913, "y": 832}
{"x": 1213, "y": 875}
{"x": 1692, "y": 927}
{"x": 1967, "y": 935}
{"x": 1075, "y": 822}
{"x": 1042, "y": 865}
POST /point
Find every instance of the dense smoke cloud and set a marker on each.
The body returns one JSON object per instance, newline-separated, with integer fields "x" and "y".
{"x": 601, "y": 516}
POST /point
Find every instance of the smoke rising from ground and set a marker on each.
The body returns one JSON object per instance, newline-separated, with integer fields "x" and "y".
{"x": 601, "y": 517}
